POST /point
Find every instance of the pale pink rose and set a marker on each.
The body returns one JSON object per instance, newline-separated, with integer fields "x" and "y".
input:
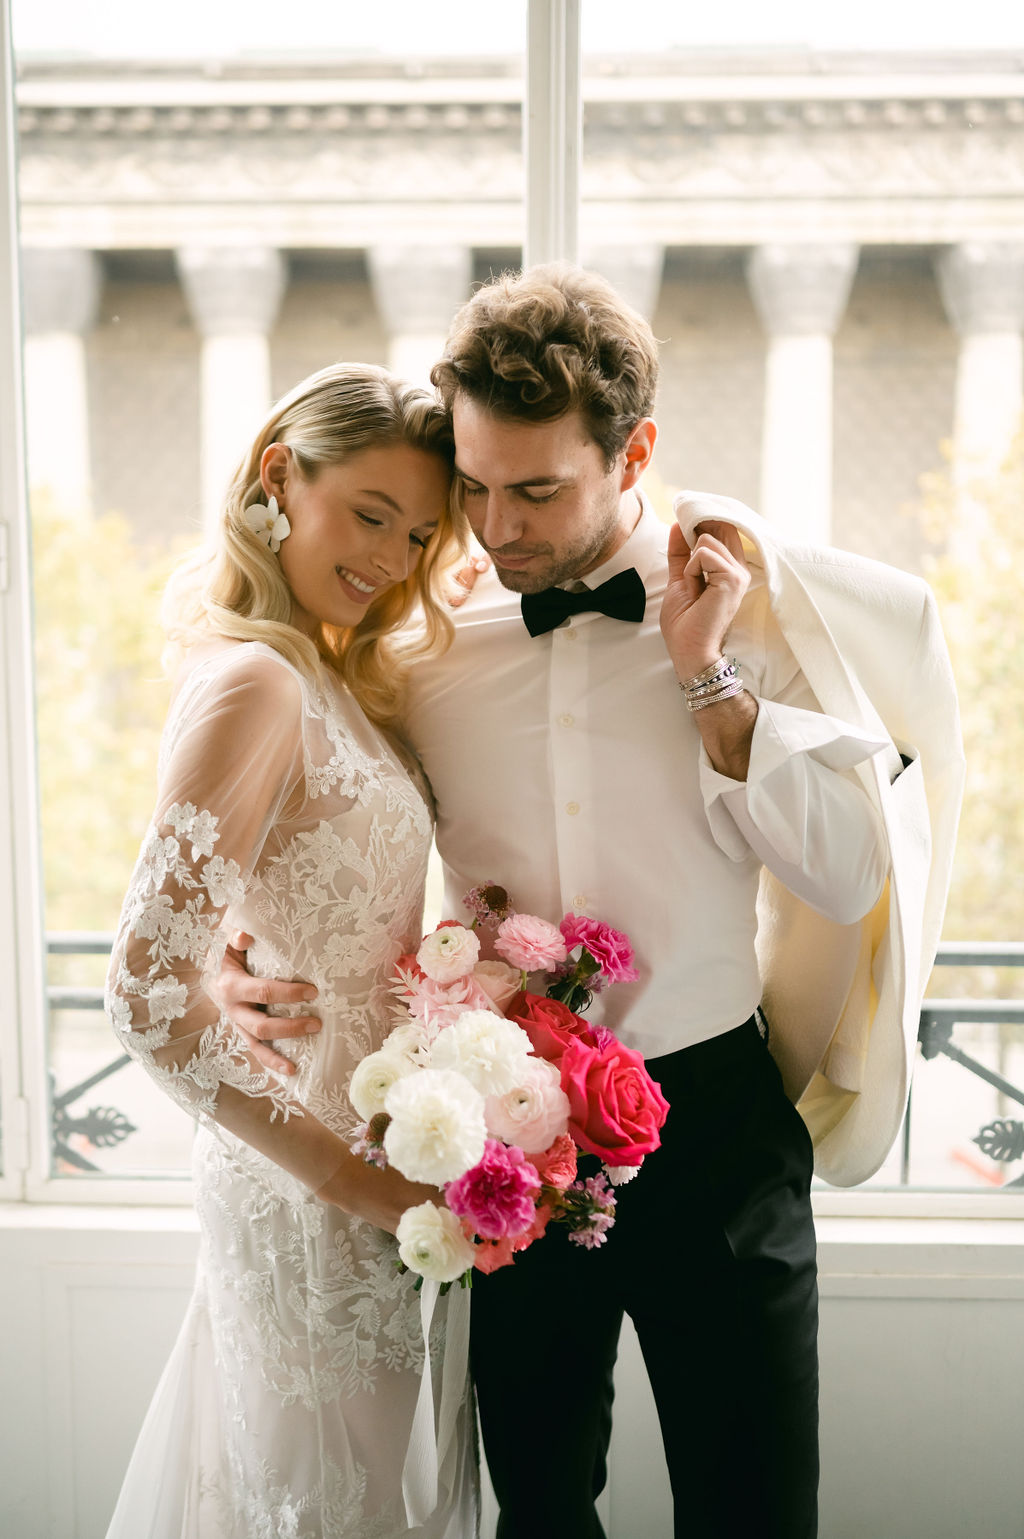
{"x": 498, "y": 1195}
{"x": 533, "y": 1114}
{"x": 449, "y": 953}
{"x": 499, "y": 981}
{"x": 529, "y": 943}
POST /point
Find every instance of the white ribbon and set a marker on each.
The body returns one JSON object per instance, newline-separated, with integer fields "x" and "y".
{"x": 432, "y": 1455}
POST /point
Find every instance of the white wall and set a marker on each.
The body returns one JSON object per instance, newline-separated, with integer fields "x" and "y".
{"x": 922, "y": 1374}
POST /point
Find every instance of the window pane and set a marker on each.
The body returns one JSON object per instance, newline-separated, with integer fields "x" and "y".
{"x": 825, "y": 225}
{"x": 197, "y": 239}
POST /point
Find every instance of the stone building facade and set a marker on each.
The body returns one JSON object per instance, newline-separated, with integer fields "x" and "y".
{"x": 830, "y": 248}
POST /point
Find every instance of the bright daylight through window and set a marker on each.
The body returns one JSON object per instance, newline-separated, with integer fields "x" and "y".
{"x": 826, "y": 232}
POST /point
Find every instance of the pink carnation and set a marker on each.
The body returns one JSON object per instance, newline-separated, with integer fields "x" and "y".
{"x": 610, "y": 949}
{"x": 557, "y": 1165}
{"x": 529, "y": 943}
{"x": 498, "y": 1195}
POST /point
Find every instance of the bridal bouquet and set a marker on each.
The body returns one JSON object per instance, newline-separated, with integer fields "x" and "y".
{"x": 488, "y": 1091}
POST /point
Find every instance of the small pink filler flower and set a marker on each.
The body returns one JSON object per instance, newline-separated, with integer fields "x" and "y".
{"x": 529, "y": 943}
{"x": 498, "y": 1196}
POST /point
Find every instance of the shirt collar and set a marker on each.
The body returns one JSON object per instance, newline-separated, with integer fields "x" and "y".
{"x": 641, "y": 550}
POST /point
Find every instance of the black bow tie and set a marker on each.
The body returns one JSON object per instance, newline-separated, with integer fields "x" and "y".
{"x": 623, "y": 597}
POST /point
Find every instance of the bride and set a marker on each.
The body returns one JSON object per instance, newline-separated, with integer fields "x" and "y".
{"x": 285, "y": 810}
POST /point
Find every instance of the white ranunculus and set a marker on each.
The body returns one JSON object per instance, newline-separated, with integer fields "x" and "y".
{"x": 411, "y": 1040}
{"x": 448, "y": 953}
{"x": 373, "y": 1077}
{"x": 431, "y": 1242}
{"x": 437, "y": 1130}
{"x": 490, "y": 1051}
{"x": 535, "y": 1113}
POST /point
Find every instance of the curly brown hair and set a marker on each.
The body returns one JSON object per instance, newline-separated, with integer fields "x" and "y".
{"x": 554, "y": 339}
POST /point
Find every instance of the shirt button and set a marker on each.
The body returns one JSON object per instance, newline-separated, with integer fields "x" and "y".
{"x": 569, "y": 633}
{"x": 565, "y": 720}
{"x": 579, "y": 901}
{"x": 572, "y": 808}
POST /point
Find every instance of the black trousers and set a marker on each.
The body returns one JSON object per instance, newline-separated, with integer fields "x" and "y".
{"x": 713, "y": 1257}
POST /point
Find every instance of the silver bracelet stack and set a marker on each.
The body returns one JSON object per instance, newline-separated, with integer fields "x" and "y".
{"x": 719, "y": 682}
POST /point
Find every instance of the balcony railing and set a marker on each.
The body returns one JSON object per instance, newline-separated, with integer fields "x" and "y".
{"x": 1002, "y": 1140}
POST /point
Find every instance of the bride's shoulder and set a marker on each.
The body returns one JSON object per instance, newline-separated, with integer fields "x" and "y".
{"x": 244, "y": 673}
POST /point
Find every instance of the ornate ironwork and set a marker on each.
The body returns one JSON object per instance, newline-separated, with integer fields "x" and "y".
{"x": 1002, "y": 1140}
{"x": 102, "y": 1127}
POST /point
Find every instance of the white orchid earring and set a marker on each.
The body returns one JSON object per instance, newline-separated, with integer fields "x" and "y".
{"x": 268, "y": 523}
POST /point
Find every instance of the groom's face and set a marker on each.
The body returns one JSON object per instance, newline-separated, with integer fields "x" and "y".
{"x": 539, "y": 495}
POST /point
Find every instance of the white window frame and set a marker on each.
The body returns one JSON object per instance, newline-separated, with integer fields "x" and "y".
{"x": 553, "y": 146}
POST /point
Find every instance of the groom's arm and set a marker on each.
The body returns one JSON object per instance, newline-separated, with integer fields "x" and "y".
{"x": 244, "y": 1001}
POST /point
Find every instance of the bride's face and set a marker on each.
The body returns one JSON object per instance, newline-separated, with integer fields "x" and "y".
{"x": 356, "y": 529}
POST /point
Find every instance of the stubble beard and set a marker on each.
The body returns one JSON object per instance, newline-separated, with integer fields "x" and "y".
{"x": 566, "y": 565}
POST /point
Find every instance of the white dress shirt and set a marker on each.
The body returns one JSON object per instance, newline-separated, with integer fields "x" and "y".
{"x": 568, "y": 768}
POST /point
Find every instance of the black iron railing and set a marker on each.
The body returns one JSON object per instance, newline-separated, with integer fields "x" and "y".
{"x": 1002, "y": 1140}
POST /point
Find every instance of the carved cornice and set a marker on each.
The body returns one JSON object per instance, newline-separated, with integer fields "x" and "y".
{"x": 58, "y": 122}
{"x": 691, "y": 152}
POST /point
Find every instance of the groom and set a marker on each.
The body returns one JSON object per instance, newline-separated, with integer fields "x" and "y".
{"x": 591, "y": 749}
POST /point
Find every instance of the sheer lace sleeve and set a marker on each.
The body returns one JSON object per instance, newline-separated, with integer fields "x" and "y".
{"x": 231, "y": 761}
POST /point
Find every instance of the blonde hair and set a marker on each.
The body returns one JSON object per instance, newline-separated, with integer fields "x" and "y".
{"x": 236, "y": 589}
{"x": 554, "y": 339}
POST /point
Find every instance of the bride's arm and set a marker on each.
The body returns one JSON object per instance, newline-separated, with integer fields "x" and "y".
{"x": 232, "y": 760}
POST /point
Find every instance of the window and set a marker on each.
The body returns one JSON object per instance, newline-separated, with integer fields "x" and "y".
{"x": 827, "y": 233}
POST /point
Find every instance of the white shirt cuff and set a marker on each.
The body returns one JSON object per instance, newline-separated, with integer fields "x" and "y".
{"x": 778, "y": 784}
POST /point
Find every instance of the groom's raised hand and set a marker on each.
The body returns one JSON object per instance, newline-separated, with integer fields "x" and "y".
{"x": 245, "y": 999}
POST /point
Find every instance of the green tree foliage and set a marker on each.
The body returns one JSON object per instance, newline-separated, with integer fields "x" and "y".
{"x": 979, "y": 587}
{"x": 101, "y": 699}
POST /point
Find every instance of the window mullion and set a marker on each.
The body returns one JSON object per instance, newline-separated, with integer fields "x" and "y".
{"x": 552, "y": 130}
{"x": 22, "y": 1013}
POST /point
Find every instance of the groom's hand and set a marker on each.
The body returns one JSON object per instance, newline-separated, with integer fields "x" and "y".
{"x": 244, "y": 1000}
{"x": 706, "y": 583}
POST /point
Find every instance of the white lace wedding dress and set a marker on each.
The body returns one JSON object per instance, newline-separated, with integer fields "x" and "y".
{"x": 286, "y": 1409}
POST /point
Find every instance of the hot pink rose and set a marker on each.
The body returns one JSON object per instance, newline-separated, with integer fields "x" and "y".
{"x": 557, "y": 1165}
{"x": 493, "y": 1254}
{"x": 549, "y": 1024}
{"x": 529, "y": 943}
{"x": 610, "y": 949}
{"x": 498, "y": 1195}
{"x": 616, "y": 1108}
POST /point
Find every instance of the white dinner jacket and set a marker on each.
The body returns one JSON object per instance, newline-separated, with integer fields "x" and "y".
{"x": 843, "y": 1001}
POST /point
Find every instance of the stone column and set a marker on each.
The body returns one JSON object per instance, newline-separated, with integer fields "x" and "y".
{"x": 234, "y": 294}
{"x": 982, "y": 288}
{"x": 61, "y": 290}
{"x": 418, "y": 289}
{"x": 634, "y": 271}
{"x": 800, "y": 293}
